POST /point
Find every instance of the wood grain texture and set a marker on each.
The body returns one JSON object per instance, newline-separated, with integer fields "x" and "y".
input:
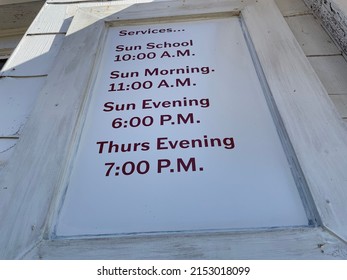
{"x": 164, "y": 9}
{"x": 51, "y": 19}
{"x": 34, "y": 56}
{"x": 315, "y": 129}
{"x": 305, "y": 243}
{"x": 33, "y": 174}
{"x": 129, "y": 11}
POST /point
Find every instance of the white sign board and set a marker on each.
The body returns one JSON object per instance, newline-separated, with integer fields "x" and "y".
{"x": 178, "y": 137}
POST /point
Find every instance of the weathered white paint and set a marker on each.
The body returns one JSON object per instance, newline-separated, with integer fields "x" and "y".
{"x": 51, "y": 19}
{"x": 56, "y": 18}
{"x": 316, "y": 42}
{"x": 279, "y": 244}
{"x": 17, "y": 98}
{"x": 50, "y": 103}
{"x": 316, "y": 131}
{"x": 34, "y": 56}
{"x": 292, "y": 7}
{"x": 332, "y": 71}
{"x": 310, "y": 118}
{"x": 311, "y": 36}
{"x": 6, "y": 148}
{"x": 340, "y": 102}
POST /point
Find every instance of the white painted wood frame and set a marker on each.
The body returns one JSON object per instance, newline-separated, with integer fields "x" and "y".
{"x": 34, "y": 181}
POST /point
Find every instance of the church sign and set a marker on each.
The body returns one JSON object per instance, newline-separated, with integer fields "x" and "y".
{"x": 178, "y": 137}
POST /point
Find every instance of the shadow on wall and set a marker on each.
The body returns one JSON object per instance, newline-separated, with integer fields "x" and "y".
{"x": 22, "y": 77}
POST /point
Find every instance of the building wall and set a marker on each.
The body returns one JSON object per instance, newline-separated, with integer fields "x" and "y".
{"x": 26, "y": 72}
{"x": 17, "y": 15}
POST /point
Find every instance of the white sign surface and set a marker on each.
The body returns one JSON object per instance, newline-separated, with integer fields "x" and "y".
{"x": 178, "y": 137}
